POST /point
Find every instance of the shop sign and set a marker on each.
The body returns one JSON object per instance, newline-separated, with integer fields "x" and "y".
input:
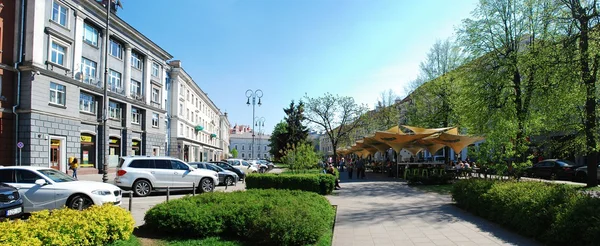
{"x": 135, "y": 143}
{"x": 86, "y": 139}
{"x": 114, "y": 140}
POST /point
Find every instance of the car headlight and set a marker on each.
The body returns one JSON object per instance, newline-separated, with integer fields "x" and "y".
{"x": 101, "y": 192}
{"x": 217, "y": 175}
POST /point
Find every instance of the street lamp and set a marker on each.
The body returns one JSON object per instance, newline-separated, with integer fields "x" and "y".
{"x": 260, "y": 123}
{"x": 253, "y": 94}
{"x": 105, "y": 104}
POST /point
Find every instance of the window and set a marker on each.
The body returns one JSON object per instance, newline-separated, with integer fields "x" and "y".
{"x": 87, "y": 103}
{"x": 59, "y": 14}
{"x": 116, "y": 49}
{"x": 181, "y": 92}
{"x": 155, "y": 69}
{"x": 181, "y": 109}
{"x": 135, "y": 89}
{"x": 188, "y": 95}
{"x": 136, "y": 60}
{"x": 88, "y": 68}
{"x": 135, "y": 115}
{"x": 242, "y": 147}
{"x": 58, "y": 53}
{"x": 179, "y": 165}
{"x": 142, "y": 164}
{"x": 236, "y": 146}
{"x": 188, "y": 113}
{"x": 26, "y": 176}
{"x": 155, "y": 95}
{"x": 265, "y": 147}
{"x": 114, "y": 110}
{"x": 90, "y": 34}
{"x": 243, "y": 156}
{"x": 114, "y": 80}
{"x": 57, "y": 94}
{"x": 180, "y": 130}
{"x": 154, "y": 119}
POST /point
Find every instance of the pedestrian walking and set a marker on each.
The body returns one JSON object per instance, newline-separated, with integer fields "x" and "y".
{"x": 350, "y": 168}
{"x": 74, "y": 165}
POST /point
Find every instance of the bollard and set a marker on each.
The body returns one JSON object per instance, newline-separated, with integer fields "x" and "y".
{"x": 130, "y": 200}
{"x": 168, "y": 191}
{"x": 80, "y": 205}
{"x": 193, "y": 189}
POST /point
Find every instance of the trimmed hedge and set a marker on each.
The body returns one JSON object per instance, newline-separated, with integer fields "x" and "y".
{"x": 552, "y": 213}
{"x": 272, "y": 217}
{"x": 318, "y": 183}
{"x": 97, "y": 225}
{"x": 433, "y": 179}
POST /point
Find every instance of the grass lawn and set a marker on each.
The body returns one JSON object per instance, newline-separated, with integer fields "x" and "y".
{"x": 444, "y": 189}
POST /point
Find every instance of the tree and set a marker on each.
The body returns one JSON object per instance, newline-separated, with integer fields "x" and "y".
{"x": 234, "y": 153}
{"x": 509, "y": 67}
{"x": 278, "y": 140}
{"x": 585, "y": 16}
{"x": 336, "y": 115}
{"x": 300, "y": 157}
{"x": 296, "y": 131}
{"x": 386, "y": 114}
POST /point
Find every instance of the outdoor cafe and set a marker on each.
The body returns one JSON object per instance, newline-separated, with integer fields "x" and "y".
{"x": 414, "y": 140}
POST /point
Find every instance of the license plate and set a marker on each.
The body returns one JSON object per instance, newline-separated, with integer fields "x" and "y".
{"x": 13, "y": 211}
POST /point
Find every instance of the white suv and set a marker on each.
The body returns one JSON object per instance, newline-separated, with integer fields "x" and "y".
{"x": 145, "y": 174}
{"x": 243, "y": 165}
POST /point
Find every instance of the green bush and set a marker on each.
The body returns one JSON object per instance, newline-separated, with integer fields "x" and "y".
{"x": 97, "y": 225}
{"x": 319, "y": 183}
{"x": 554, "y": 214}
{"x": 272, "y": 217}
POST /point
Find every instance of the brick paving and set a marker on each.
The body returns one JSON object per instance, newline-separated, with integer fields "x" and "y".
{"x": 382, "y": 211}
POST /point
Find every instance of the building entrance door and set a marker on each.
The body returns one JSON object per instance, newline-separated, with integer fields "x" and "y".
{"x": 55, "y": 155}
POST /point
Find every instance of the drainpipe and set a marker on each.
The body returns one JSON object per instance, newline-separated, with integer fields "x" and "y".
{"x": 14, "y": 109}
{"x": 168, "y": 115}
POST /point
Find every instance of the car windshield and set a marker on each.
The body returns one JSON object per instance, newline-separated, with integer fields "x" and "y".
{"x": 245, "y": 163}
{"x": 218, "y": 168}
{"x": 56, "y": 176}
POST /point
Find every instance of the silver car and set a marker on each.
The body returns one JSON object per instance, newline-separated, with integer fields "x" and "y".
{"x": 226, "y": 177}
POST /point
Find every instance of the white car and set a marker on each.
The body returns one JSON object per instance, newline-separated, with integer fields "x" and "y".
{"x": 144, "y": 174}
{"x": 243, "y": 165}
{"x": 45, "y": 188}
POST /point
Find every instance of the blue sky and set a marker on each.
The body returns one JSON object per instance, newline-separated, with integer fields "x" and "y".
{"x": 287, "y": 48}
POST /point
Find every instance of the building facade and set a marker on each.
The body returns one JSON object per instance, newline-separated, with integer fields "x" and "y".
{"x": 241, "y": 140}
{"x": 9, "y": 11}
{"x": 62, "y": 84}
{"x": 194, "y": 120}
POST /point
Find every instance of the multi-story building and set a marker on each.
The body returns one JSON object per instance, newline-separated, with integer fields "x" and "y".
{"x": 224, "y": 126}
{"x": 8, "y": 58}
{"x": 61, "y": 92}
{"x": 194, "y": 120}
{"x": 241, "y": 140}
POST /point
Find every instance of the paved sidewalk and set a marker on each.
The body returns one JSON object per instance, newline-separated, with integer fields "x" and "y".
{"x": 382, "y": 211}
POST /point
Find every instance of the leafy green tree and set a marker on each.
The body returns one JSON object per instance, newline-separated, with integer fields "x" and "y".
{"x": 278, "y": 140}
{"x": 234, "y": 153}
{"x": 337, "y": 116}
{"x": 300, "y": 157}
{"x": 296, "y": 131}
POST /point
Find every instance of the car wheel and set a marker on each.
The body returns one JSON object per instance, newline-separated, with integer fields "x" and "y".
{"x": 78, "y": 200}
{"x": 581, "y": 177}
{"x": 142, "y": 188}
{"x": 206, "y": 185}
{"x": 229, "y": 180}
{"x": 553, "y": 176}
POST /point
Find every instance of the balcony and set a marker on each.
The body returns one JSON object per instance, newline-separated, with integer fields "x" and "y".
{"x": 88, "y": 106}
{"x": 116, "y": 89}
{"x": 138, "y": 97}
{"x": 93, "y": 81}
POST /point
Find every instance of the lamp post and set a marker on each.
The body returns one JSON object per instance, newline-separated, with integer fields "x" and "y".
{"x": 105, "y": 103}
{"x": 260, "y": 123}
{"x": 254, "y": 95}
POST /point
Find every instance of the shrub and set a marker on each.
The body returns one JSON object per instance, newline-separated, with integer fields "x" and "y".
{"x": 555, "y": 214}
{"x": 97, "y": 225}
{"x": 319, "y": 183}
{"x": 272, "y": 217}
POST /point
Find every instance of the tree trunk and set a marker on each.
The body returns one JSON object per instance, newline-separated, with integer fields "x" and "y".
{"x": 521, "y": 112}
{"x": 590, "y": 104}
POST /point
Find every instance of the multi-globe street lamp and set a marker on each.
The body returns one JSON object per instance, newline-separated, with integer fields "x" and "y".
{"x": 260, "y": 123}
{"x": 254, "y": 95}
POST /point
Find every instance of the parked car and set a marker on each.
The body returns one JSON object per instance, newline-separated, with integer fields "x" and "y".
{"x": 228, "y": 167}
{"x": 553, "y": 168}
{"x": 11, "y": 203}
{"x": 144, "y": 174}
{"x": 262, "y": 166}
{"x": 225, "y": 177}
{"x": 45, "y": 188}
{"x": 242, "y": 165}
{"x": 581, "y": 173}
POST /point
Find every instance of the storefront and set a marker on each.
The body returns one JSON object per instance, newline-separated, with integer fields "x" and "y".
{"x": 88, "y": 151}
{"x": 135, "y": 147}
{"x": 114, "y": 151}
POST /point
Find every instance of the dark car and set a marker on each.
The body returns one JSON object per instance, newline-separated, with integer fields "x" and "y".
{"x": 11, "y": 203}
{"x": 553, "y": 169}
{"x": 228, "y": 167}
{"x": 226, "y": 177}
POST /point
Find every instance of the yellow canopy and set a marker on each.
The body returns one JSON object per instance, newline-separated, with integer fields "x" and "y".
{"x": 397, "y": 141}
{"x": 395, "y": 129}
{"x": 414, "y": 150}
{"x": 428, "y": 144}
{"x": 370, "y": 149}
{"x": 371, "y": 141}
{"x": 419, "y": 130}
{"x": 456, "y": 142}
